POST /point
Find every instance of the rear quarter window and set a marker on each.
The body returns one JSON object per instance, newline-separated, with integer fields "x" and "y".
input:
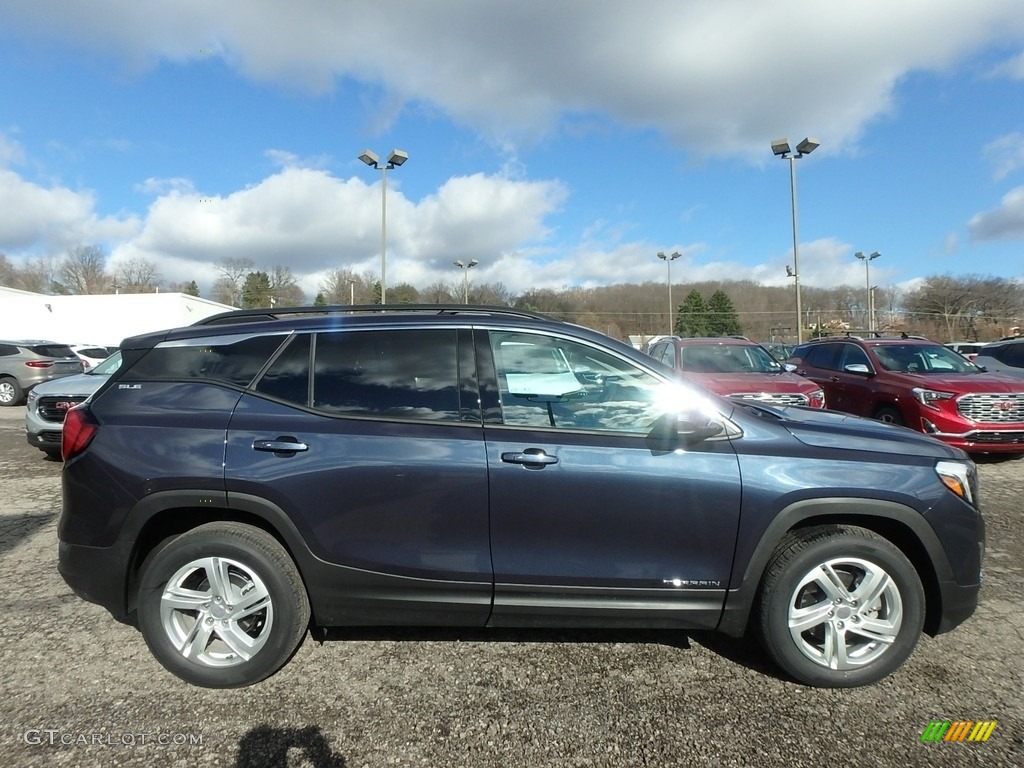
{"x": 231, "y": 361}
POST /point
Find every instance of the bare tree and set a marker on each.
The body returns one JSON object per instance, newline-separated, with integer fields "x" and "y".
{"x": 234, "y": 271}
{"x": 284, "y": 287}
{"x": 137, "y": 275}
{"x": 84, "y": 271}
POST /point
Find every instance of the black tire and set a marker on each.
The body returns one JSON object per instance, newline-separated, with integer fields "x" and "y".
{"x": 889, "y": 415}
{"x": 11, "y": 392}
{"x": 241, "y": 609}
{"x": 801, "y": 608}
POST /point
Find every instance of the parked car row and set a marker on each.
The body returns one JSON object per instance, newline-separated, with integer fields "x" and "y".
{"x": 908, "y": 381}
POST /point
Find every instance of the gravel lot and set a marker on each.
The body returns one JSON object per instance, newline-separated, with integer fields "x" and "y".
{"x": 80, "y": 689}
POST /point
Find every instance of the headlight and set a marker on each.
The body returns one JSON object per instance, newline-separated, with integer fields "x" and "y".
{"x": 958, "y": 477}
{"x": 32, "y": 397}
{"x": 928, "y": 397}
{"x": 816, "y": 399}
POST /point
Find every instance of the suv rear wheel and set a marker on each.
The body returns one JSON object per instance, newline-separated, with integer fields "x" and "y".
{"x": 222, "y": 605}
{"x": 839, "y": 607}
{"x": 10, "y": 392}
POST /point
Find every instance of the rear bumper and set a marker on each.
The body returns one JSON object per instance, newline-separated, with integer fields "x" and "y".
{"x": 97, "y": 574}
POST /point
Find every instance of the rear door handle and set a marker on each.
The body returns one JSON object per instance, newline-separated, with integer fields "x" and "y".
{"x": 283, "y": 444}
{"x": 533, "y": 458}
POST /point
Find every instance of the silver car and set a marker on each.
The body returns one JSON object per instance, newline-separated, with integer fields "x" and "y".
{"x": 24, "y": 364}
{"x": 49, "y": 403}
{"x": 1005, "y": 356}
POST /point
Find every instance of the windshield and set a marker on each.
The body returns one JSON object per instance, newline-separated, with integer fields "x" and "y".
{"x": 922, "y": 358}
{"x": 727, "y": 358}
{"x": 107, "y": 367}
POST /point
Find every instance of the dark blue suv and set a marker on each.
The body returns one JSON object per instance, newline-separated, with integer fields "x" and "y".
{"x": 238, "y": 482}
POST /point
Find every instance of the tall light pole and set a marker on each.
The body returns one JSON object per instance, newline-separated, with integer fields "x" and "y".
{"x": 395, "y": 159}
{"x": 352, "y": 291}
{"x": 780, "y": 147}
{"x": 671, "y": 310}
{"x": 465, "y": 277}
{"x": 867, "y": 285}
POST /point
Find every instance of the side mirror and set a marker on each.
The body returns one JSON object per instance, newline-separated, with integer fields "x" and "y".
{"x": 860, "y": 368}
{"x": 673, "y": 431}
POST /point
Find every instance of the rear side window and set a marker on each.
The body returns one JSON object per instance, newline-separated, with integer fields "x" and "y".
{"x": 230, "y": 360}
{"x": 53, "y": 350}
{"x": 400, "y": 374}
{"x": 824, "y": 356}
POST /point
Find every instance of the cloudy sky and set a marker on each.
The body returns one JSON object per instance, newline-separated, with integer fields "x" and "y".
{"x": 558, "y": 143}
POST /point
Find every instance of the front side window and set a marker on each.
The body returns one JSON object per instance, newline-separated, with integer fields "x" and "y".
{"x": 550, "y": 382}
{"x": 397, "y": 374}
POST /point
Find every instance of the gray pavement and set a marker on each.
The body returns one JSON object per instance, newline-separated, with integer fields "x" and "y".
{"x": 80, "y": 689}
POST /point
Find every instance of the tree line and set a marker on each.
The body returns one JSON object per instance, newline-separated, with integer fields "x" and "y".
{"x": 942, "y": 307}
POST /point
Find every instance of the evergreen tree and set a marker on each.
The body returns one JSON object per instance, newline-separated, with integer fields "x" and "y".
{"x": 320, "y": 301}
{"x": 692, "y": 316}
{"x": 722, "y": 319}
{"x": 256, "y": 290}
{"x": 192, "y": 289}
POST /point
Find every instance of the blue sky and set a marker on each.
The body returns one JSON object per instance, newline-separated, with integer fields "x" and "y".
{"x": 558, "y": 143}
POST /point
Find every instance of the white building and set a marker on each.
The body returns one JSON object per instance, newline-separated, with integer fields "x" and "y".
{"x": 101, "y": 319}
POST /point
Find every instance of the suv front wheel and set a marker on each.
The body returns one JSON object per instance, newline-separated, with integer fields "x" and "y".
{"x": 222, "y": 605}
{"x": 839, "y": 607}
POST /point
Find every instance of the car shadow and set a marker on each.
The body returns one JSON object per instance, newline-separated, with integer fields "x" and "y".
{"x": 267, "y": 747}
{"x": 743, "y": 651}
{"x": 15, "y": 528}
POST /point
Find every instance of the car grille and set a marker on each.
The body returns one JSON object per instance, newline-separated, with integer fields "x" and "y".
{"x": 997, "y": 438}
{"x": 993, "y": 408}
{"x": 774, "y": 398}
{"x": 56, "y": 408}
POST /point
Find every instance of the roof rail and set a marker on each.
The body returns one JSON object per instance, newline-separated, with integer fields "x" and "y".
{"x": 281, "y": 313}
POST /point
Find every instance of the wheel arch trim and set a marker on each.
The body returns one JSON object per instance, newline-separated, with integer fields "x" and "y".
{"x": 881, "y": 516}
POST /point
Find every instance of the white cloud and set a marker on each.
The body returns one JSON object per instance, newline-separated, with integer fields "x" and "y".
{"x": 717, "y": 77}
{"x": 312, "y": 222}
{"x": 1006, "y": 222}
{"x": 1006, "y": 154}
{"x": 49, "y": 220}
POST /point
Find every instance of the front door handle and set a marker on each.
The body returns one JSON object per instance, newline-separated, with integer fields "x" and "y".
{"x": 285, "y": 444}
{"x": 533, "y": 458}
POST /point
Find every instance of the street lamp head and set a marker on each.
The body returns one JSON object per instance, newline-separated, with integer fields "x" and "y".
{"x": 675, "y": 255}
{"x": 859, "y": 255}
{"x": 806, "y": 146}
{"x": 874, "y": 255}
{"x": 781, "y": 147}
{"x": 662, "y": 256}
{"x": 789, "y": 271}
{"x": 369, "y": 157}
{"x": 398, "y": 157}
{"x": 458, "y": 263}
{"x": 473, "y": 263}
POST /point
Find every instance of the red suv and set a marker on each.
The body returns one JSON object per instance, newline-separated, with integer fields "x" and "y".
{"x": 738, "y": 368}
{"x": 920, "y": 384}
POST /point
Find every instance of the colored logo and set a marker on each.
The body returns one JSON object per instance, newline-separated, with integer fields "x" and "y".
{"x": 958, "y": 730}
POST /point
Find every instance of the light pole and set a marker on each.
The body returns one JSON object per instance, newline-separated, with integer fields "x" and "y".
{"x": 867, "y": 284}
{"x": 781, "y": 149}
{"x": 395, "y": 159}
{"x": 465, "y": 276}
{"x": 352, "y": 291}
{"x": 671, "y": 310}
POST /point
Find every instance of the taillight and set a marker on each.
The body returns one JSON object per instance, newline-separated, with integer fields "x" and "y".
{"x": 79, "y": 429}
{"x": 38, "y": 364}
